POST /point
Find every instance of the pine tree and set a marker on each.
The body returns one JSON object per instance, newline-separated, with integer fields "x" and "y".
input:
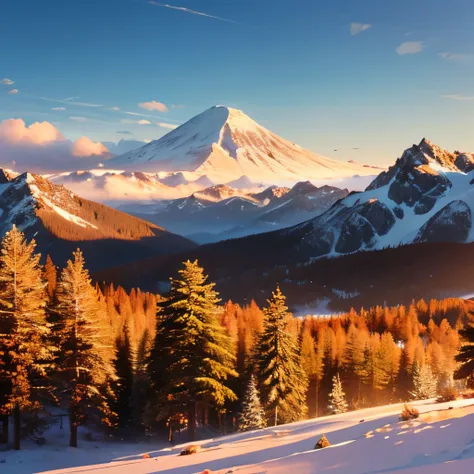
{"x": 253, "y": 415}
{"x": 283, "y": 381}
{"x": 192, "y": 357}
{"x": 312, "y": 362}
{"x": 23, "y": 329}
{"x": 123, "y": 383}
{"x": 424, "y": 382}
{"x": 337, "y": 398}
{"x": 466, "y": 353}
{"x": 84, "y": 368}
{"x": 51, "y": 276}
{"x": 140, "y": 383}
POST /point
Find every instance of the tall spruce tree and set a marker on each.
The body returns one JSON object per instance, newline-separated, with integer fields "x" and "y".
{"x": 84, "y": 368}
{"x": 192, "y": 359}
{"x": 140, "y": 382}
{"x": 337, "y": 397}
{"x": 123, "y": 383}
{"x": 282, "y": 379}
{"x": 466, "y": 353}
{"x": 23, "y": 329}
{"x": 253, "y": 414}
{"x": 312, "y": 362}
{"x": 51, "y": 276}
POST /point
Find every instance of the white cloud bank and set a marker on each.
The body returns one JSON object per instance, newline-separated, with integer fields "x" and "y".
{"x": 357, "y": 28}
{"x": 410, "y": 47}
{"x": 42, "y": 147}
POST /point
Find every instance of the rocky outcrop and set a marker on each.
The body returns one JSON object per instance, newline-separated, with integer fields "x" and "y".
{"x": 450, "y": 224}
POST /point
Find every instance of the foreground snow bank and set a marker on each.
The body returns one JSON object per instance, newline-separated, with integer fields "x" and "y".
{"x": 363, "y": 442}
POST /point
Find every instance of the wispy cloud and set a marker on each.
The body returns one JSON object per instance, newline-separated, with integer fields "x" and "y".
{"x": 460, "y": 97}
{"x": 78, "y": 119}
{"x": 410, "y": 47}
{"x": 153, "y": 105}
{"x": 193, "y": 12}
{"x": 177, "y": 106}
{"x": 169, "y": 126}
{"x": 124, "y": 132}
{"x": 70, "y": 101}
{"x": 357, "y": 28}
{"x": 115, "y": 109}
{"x": 58, "y": 109}
{"x": 138, "y": 114}
{"x": 136, "y": 122}
{"x": 13, "y": 91}
{"x": 7, "y": 82}
{"x": 457, "y": 57}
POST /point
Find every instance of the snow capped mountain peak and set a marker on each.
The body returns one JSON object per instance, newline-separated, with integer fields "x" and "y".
{"x": 224, "y": 144}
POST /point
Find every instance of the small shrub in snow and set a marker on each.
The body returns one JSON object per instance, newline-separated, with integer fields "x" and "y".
{"x": 193, "y": 449}
{"x": 448, "y": 394}
{"x": 322, "y": 443}
{"x": 409, "y": 413}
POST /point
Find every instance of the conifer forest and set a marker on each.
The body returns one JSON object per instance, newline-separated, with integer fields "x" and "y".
{"x": 139, "y": 364}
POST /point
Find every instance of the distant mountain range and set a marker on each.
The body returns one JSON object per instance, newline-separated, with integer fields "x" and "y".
{"x": 224, "y": 144}
{"x": 221, "y": 212}
{"x": 60, "y": 221}
{"x": 422, "y": 205}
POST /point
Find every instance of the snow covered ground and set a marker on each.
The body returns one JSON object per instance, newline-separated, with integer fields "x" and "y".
{"x": 367, "y": 441}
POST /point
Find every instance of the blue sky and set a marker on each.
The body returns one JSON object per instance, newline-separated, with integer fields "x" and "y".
{"x": 403, "y": 70}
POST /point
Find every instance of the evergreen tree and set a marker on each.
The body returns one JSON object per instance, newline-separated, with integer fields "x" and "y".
{"x": 312, "y": 362}
{"x": 140, "y": 383}
{"x": 253, "y": 415}
{"x": 282, "y": 379}
{"x": 192, "y": 357}
{"x": 466, "y": 353}
{"x": 51, "y": 276}
{"x": 84, "y": 368}
{"x": 23, "y": 329}
{"x": 424, "y": 382}
{"x": 337, "y": 398}
{"x": 123, "y": 383}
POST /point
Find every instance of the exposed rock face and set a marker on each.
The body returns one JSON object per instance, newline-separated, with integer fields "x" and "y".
{"x": 378, "y": 215}
{"x": 450, "y": 224}
{"x": 413, "y": 181}
{"x": 355, "y": 233}
{"x": 404, "y": 196}
{"x": 465, "y": 162}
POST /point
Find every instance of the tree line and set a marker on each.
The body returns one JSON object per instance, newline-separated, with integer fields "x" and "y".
{"x": 142, "y": 363}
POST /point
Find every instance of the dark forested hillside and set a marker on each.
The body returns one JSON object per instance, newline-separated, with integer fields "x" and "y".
{"x": 60, "y": 221}
{"x": 249, "y": 268}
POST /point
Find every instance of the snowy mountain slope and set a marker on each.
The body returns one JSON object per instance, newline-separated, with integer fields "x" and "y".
{"x": 425, "y": 200}
{"x": 221, "y": 212}
{"x": 366, "y": 441}
{"x": 224, "y": 144}
{"x": 60, "y": 221}
{"x": 427, "y": 196}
